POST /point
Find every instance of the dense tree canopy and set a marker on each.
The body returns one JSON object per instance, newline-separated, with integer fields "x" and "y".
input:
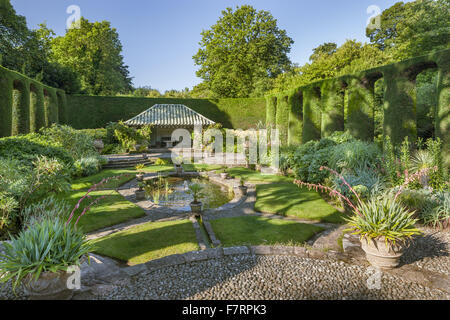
{"x": 413, "y": 28}
{"x": 407, "y": 30}
{"x": 241, "y": 52}
{"x": 94, "y": 52}
{"x": 27, "y": 51}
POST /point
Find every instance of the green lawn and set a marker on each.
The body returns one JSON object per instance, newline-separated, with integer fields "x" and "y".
{"x": 150, "y": 241}
{"x": 198, "y": 167}
{"x": 289, "y": 200}
{"x": 261, "y": 231}
{"x": 126, "y": 174}
{"x": 112, "y": 210}
{"x": 255, "y": 176}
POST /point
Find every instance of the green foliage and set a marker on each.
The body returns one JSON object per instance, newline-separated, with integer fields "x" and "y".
{"x": 195, "y": 190}
{"x": 310, "y": 157}
{"x": 383, "y": 218}
{"x": 241, "y": 52}
{"x": 282, "y": 119}
{"x": 162, "y": 162}
{"x": 129, "y": 137}
{"x": 77, "y": 143}
{"x": 85, "y": 167}
{"x": 413, "y": 28}
{"x": 27, "y": 51}
{"x": 271, "y": 111}
{"x": 26, "y": 148}
{"x": 97, "y": 112}
{"x": 354, "y": 155}
{"x": 47, "y": 246}
{"x": 436, "y": 211}
{"x": 366, "y": 182}
{"x": 50, "y": 208}
{"x": 93, "y": 51}
{"x": 312, "y": 118}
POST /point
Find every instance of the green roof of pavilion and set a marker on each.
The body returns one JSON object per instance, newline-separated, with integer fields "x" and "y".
{"x": 169, "y": 115}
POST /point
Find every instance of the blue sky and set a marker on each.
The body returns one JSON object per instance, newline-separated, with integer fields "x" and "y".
{"x": 160, "y": 37}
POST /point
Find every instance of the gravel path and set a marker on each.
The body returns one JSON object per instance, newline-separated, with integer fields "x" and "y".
{"x": 265, "y": 277}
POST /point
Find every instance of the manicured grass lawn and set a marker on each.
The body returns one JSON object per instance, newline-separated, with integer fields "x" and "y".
{"x": 289, "y": 200}
{"x": 150, "y": 241}
{"x": 198, "y": 167}
{"x": 126, "y": 174}
{"x": 112, "y": 210}
{"x": 261, "y": 231}
{"x": 255, "y": 176}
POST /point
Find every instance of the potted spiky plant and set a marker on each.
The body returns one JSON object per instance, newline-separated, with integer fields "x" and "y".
{"x": 242, "y": 187}
{"x": 41, "y": 258}
{"x": 385, "y": 227}
{"x": 140, "y": 193}
{"x": 196, "y": 191}
{"x": 223, "y": 173}
{"x": 140, "y": 173}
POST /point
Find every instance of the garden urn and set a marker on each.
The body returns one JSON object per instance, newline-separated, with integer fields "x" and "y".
{"x": 243, "y": 190}
{"x": 99, "y": 145}
{"x": 140, "y": 195}
{"x": 179, "y": 169}
{"x": 382, "y": 254}
{"x": 196, "y": 208}
{"x": 49, "y": 286}
{"x": 140, "y": 177}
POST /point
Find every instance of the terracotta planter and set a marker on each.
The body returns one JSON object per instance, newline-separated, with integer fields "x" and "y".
{"x": 381, "y": 255}
{"x": 49, "y": 286}
{"x": 196, "y": 208}
{"x": 140, "y": 195}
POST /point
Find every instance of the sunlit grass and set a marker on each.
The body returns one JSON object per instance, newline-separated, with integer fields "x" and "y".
{"x": 149, "y": 241}
{"x": 252, "y": 230}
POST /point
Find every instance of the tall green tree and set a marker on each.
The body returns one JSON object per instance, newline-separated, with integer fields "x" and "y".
{"x": 94, "y": 52}
{"x": 242, "y": 52}
{"x": 413, "y": 28}
{"x": 328, "y": 61}
{"x": 28, "y": 51}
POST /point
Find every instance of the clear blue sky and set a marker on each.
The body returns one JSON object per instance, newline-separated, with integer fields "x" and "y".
{"x": 160, "y": 37}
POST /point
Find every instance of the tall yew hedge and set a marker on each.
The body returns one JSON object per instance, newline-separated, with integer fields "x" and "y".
{"x": 348, "y": 102}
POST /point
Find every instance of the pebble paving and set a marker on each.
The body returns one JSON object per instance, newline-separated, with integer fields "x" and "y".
{"x": 251, "y": 277}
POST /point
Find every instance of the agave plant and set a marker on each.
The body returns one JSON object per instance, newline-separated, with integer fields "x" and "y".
{"x": 47, "y": 246}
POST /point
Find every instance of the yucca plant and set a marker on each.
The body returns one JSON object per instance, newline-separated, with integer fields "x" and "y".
{"x": 196, "y": 191}
{"x": 383, "y": 217}
{"x": 47, "y": 246}
{"x": 377, "y": 217}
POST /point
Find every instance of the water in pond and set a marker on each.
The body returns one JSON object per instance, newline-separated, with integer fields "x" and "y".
{"x": 172, "y": 193}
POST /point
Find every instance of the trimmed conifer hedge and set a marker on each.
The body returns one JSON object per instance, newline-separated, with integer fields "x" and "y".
{"x": 271, "y": 111}
{"x": 348, "y": 102}
{"x": 295, "y": 106}
{"x": 282, "y": 116}
{"x": 333, "y": 93}
{"x": 312, "y": 115}
{"x": 22, "y": 106}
